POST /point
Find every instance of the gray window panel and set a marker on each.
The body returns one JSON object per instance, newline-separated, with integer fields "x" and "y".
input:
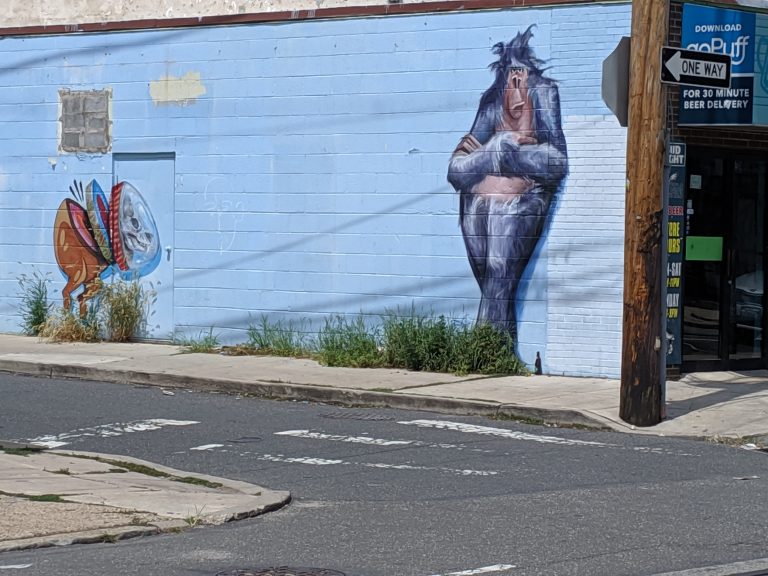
{"x": 85, "y": 121}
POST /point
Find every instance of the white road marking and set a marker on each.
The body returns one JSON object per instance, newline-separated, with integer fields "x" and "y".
{"x": 207, "y": 447}
{"x": 501, "y": 432}
{"x": 301, "y": 460}
{"x": 746, "y": 567}
{"x": 324, "y": 462}
{"x": 373, "y": 441}
{"x": 338, "y": 438}
{"x": 15, "y": 566}
{"x": 504, "y": 433}
{"x": 106, "y": 431}
{"x": 483, "y": 570}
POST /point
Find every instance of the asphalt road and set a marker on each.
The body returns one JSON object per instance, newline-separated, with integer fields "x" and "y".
{"x": 396, "y": 493}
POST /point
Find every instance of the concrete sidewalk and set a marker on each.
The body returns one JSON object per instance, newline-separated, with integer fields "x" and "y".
{"x": 108, "y": 497}
{"x": 62, "y": 497}
{"x": 701, "y": 405}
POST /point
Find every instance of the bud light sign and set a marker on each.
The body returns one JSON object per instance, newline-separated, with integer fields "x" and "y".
{"x": 737, "y": 34}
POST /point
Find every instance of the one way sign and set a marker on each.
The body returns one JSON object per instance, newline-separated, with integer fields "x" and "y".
{"x": 706, "y": 69}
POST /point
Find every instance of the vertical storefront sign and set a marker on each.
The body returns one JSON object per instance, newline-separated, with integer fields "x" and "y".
{"x": 674, "y": 194}
{"x": 744, "y": 37}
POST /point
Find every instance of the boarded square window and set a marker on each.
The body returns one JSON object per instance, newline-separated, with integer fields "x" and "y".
{"x": 85, "y": 122}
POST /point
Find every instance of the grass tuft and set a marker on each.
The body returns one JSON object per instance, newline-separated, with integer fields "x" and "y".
{"x": 34, "y": 308}
{"x": 204, "y": 343}
{"x": 45, "y": 498}
{"x": 485, "y": 349}
{"x": 419, "y": 342}
{"x": 118, "y": 313}
{"x": 280, "y": 338}
{"x": 198, "y": 481}
{"x": 65, "y": 326}
{"x": 122, "y": 308}
{"x": 195, "y": 519}
{"x": 422, "y": 342}
{"x": 21, "y": 451}
{"x": 407, "y": 340}
{"x": 343, "y": 342}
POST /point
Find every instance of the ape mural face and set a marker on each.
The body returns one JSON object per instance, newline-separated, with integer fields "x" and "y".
{"x": 102, "y": 238}
{"x": 518, "y": 115}
{"x": 507, "y": 169}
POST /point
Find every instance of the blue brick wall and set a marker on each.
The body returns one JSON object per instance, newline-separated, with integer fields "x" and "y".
{"x": 311, "y": 175}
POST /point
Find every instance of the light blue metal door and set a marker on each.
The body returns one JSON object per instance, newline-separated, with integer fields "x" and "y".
{"x": 150, "y": 179}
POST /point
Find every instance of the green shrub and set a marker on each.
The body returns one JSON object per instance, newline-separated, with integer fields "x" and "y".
{"x": 343, "y": 342}
{"x": 485, "y": 349}
{"x": 280, "y": 338}
{"x": 421, "y": 342}
{"x": 34, "y": 308}
{"x": 418, "y": 342}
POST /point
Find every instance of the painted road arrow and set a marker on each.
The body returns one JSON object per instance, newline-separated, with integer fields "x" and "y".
{"x": 706, "y": 69}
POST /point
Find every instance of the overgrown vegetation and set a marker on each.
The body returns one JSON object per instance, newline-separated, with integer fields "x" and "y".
{"x": 344, "y": 342}
{"x": 122, "y": 309}
{"x": 197, "y": 481}
{"x": 36, "y": 498}
{"x": 408, "y": 340}
{"x": 399, "y": 340}
{"x": 123, "y": 466}
{"x": 418, "y": 342}
{"x": 46, "y": 498}
{"x": 118, "y": 314}
{"x": 65, "y": 326}
{"x": 280, "y": 338}
{"x": 34, "y": 307}
{"x": 484, "y": 349}
{"x": 205, "y": 342}
{"x": 20, "y": 451}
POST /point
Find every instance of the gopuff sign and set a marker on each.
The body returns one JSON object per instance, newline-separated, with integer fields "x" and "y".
{"x": 730, "y": 33}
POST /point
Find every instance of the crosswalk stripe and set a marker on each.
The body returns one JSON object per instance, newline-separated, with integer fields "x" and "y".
{"x": 105, "y": 431}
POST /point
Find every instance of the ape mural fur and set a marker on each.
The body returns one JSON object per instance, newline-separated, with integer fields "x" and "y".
{"x": 507, "y": 170}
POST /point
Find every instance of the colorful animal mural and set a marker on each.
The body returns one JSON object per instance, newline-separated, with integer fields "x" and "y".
{"x": 103, "y": 238}
{"x": 507, "y": 170}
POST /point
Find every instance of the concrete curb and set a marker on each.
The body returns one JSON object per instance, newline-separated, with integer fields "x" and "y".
{"x": 254, "y": 500}
{"x": 258, "y": 505}
{"x": 88, "y": 537}
{"x": 313, "y": 393}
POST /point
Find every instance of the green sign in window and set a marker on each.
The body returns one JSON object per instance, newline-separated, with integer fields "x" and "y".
{"x": 707, "y": 248}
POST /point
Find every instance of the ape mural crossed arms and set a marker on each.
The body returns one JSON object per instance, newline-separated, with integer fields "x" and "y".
{"x": 507, "y": 169}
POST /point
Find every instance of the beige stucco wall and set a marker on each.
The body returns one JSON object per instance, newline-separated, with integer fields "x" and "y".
{"x": 49, "y": 12}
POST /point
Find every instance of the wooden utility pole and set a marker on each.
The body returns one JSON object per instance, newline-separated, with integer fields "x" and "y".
{"x": 640, "y": 359}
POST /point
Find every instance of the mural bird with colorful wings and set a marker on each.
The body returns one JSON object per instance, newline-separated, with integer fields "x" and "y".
{"x": 95, "y": 238}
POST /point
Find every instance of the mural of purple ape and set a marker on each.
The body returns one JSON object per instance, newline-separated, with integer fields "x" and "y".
{"x": 507, "y": 169}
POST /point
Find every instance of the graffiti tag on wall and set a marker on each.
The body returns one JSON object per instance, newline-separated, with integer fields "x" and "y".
{"x": 507, "y": 170}
{"x": 95, "y": 238}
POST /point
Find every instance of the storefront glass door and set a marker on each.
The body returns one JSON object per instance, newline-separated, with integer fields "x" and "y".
{"x": 723, "y": 286}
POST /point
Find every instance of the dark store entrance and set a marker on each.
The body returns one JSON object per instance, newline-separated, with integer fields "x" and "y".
{"x": 723, "y": 285}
